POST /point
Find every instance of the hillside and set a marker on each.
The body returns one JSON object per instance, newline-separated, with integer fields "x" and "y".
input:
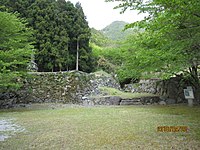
{"x": 99, "y": 39}
{"x": 115, "y": 31}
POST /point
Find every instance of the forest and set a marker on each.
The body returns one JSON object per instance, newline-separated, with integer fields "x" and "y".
{"x": 57, "y": 28}
{"x": 56, "y": 35}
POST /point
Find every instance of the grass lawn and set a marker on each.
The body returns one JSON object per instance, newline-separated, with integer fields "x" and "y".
{"x": 105, "y": 127}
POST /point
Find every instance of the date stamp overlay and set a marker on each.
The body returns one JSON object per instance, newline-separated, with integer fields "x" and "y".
{"x": 173, "y": 129}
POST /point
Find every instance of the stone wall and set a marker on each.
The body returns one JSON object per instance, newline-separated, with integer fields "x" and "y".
{"x": 58, "y": 87}
{"x": 170, "y": 91}
{"x": 76, "y": 87}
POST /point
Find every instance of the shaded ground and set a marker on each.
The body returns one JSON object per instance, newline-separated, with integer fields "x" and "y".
{"x": 76, "y": 127}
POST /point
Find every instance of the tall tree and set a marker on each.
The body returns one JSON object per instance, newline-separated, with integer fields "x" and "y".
{"x": 15, "y": 50}
{"x": 81, "y": 38}
{"x": 49, "y": 35}
{"x": 63, "y": 22}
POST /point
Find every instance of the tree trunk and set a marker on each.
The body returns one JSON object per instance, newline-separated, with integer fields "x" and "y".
{"x": 77, "y": 55}
{"x": 195, "y": 82}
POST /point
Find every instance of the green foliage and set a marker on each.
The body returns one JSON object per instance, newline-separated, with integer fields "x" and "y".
{"x": 109, "y": 59}
{"x": 116, "y": 59}
{"x": 15, "y": 50}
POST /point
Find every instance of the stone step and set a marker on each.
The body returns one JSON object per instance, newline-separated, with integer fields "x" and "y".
{"x": 131, "y": 102}
{"x": 102, "y": 100}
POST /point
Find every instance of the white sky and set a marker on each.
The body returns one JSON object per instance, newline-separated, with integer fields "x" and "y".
{"x": 100, "y": 14}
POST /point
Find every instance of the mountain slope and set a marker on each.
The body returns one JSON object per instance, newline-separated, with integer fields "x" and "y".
{"x": 99, "y": 39}
{"x": 115, "y": 31}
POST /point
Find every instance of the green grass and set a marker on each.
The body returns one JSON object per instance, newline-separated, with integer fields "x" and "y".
{"x": 124, "y": 95}
{"x": 102, "y": 73}
{"x": 85, "y": 128}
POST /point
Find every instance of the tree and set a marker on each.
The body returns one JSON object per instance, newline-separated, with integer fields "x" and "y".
{"x": 15, "y": 50}
{"x": 81, "y": 38}
{"x": 170, "y": 43}
{"x": 51, "y": 37}
{"x": 63, "y": 20}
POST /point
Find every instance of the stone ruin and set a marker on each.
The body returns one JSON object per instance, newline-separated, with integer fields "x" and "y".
{"x": 75, "y": 87}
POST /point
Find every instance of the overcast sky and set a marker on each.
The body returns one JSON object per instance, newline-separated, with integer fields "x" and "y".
{"x": 100, "y": 14}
